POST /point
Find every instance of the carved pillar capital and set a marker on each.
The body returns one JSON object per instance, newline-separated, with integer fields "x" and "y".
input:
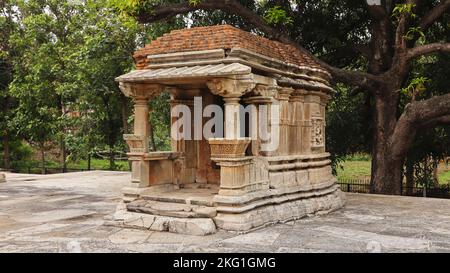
{"x": 298, "y": 95}
{"x": 141, "y": 91}
{"x": 284, "y": 93}
{"x": 231, "y": 88}
{"x": 262, "y": 94}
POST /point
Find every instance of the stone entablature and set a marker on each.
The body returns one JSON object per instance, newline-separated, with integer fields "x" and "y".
{"x": 251, "y": 176}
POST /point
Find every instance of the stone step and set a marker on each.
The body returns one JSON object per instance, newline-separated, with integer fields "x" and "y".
{"x": 124, "y": 218}
{"x": 171, "y": 209}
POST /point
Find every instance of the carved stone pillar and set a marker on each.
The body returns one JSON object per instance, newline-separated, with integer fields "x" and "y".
{"x": 262, "y": 96}
{"x": 138, "y": 141}
{"x": 231, "y": 90}
{"x": 297, "y": 100}
{"x": 229, "y": 153}
{"x": 232, "y": 118}
{"x": 283, "y": 97}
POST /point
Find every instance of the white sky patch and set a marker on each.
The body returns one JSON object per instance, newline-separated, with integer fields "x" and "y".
{"x": 373, "y": 2}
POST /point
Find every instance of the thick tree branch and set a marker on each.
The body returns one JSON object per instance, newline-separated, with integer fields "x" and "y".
{"x": 157, "y": 13}
{"x": 440, "y": 121}
{"x": 434, "y": 14}
{"x": 416, "y": 115}
{"x": 426, "y": 50}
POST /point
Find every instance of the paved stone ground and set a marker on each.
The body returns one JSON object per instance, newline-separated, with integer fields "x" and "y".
{"x": 64, "y": 213}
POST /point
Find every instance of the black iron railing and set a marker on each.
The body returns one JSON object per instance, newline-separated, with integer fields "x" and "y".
{"x": 363, "y": 186}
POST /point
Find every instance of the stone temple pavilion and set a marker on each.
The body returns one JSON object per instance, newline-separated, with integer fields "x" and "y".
{"x": 233, "y": 181}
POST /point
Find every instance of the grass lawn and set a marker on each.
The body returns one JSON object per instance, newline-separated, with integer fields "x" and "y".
{"x": 354, "y": 170}
{"x": 98, "y": 164}
{"x": 360, "y": 169}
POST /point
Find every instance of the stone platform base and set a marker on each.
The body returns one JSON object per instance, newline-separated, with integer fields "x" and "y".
{"x": 240, "y": 214}
{"x": 280, "y": 212}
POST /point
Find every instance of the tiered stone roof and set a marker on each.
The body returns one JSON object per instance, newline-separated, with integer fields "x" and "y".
{"x": 221, "y": 37}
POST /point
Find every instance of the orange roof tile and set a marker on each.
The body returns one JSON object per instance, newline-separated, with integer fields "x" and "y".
{"x": 221, "y": 37}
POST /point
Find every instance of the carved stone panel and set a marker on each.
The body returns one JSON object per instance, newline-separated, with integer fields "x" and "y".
{"x": 318, "y": 132}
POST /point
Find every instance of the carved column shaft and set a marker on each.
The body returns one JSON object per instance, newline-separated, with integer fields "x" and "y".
{"x": 283, "y": 97}
{"x": 297, "y": 100}
{"x": 141, "y": 119}
{"x": 232, "y": 118}
{"x": 262, "y": 97}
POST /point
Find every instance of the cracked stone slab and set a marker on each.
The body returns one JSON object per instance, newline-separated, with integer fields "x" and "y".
{"x": 263, "y": 238}
{"x": 377, "y": 240}
{"x": 129, "y": 236}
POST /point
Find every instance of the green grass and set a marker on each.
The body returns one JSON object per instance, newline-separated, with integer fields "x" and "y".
{"x": 444, "y": 177}
{"x": 354, "y": 170}
{"x": 360, "y": 169}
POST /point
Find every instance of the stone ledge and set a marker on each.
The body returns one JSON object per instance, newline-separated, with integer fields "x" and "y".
{"x": 124, "y": 218}
{"x": 274, "y": 200}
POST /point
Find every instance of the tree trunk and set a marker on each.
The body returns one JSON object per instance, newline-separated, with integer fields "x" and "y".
{"x": 387, "y": 172}
{"x": 89, "y": 161}
{"x": 111, "y": 159}
{"x": 409, "y": 177}
{"x": 6, "y": 153}
{"x": 125, "y": 115}
{"x": 42, "y": 148}
{"x": 63, "y": 155}
{"x": 6, "y": 147}
{"x": 436, "y": 175}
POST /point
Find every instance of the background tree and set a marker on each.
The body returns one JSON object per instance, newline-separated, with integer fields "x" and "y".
{"x": 8, "y": 25}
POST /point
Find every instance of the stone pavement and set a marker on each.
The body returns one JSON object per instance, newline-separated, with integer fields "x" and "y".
{"x": 65, "y": 213}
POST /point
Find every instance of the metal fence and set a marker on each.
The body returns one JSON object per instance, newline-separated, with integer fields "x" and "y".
{"x": 38, "y": 170}
{"x": 363, "y": 186}
{"x": 55, "y": 170}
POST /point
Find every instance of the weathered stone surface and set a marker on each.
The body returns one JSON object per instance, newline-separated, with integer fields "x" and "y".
{"x": 208, "y": 212}
{"x": 170, "y": 209}
{"x": 192, "y": 226}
